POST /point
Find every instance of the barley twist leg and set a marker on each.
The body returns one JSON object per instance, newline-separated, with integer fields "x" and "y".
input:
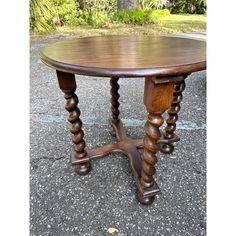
{"x": 173, "y": 117}
{"x": 67, "y": 84}
{"x": 114, "y": 103}
{"x": 152, "y": 135}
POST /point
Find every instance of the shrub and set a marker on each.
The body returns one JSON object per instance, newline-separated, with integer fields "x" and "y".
{"x": 83, "y": 17}
{"x": 67, "y": 12}
{"x": 42, "y": 14}
{"x": 141, "y": 17}
{"x": 96, "y": 12}
{"x": 137, "y": 16}
{"x": 99, "y": 19}
{"x": 45, "y": 15}
{"x": 187, "y": 6}
{"x": 107, "y": 7}
{"x": 155, "y": 16}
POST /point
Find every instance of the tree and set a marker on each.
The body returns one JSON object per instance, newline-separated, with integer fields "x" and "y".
{"x": 127, "y": 4}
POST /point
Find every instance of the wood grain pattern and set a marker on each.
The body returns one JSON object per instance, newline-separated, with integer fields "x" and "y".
{"x": 157, "y": 99}
{"x": 126, "y": 56}
{"x": 163, "y": 61}
{"x": 67, "y": 84}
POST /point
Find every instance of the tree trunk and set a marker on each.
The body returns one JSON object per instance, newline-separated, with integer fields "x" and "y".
{"x": 127, "y": 4}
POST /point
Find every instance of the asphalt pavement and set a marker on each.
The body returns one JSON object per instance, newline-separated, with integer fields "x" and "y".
{"x": 65, "y": 204}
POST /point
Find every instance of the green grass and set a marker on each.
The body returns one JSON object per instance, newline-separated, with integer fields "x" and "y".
{"x": 168, "y": 24}
{"x": 183, "y": 23}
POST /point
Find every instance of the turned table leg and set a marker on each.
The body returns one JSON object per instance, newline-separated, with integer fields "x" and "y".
{"x": 67, "y": 84}
{"x": 152, "y": 135}
{"x": 114, "y": 103}
{"x": 173, "y": 116}
{"x": 157, "y": 98}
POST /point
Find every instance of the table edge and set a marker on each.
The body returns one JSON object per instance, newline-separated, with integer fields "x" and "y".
{"x": 109, "y": 72}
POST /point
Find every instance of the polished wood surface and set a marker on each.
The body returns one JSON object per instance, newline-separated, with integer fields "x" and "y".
{"x": 165, "y": 62}
{"x": 126, "y": 56}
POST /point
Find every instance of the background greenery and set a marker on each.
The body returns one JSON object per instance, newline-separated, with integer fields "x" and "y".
{"x": 49, "y": 15}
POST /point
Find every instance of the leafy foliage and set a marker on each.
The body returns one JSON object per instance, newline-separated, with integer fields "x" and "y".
{"x": 96, "y": 12}
{"x": 108, "y": 7}
{"x": 171, "y": 24}
{"x": 67, "y": 12}
{"x": 99, "y": 19}
{"x": 46, "y": 15}
{"x": 141, "y": 17}
{"x": 42, "y": 14}
{"x": 137, "y": 16}
{"x": 156, "y": 15}
{"x": 151, "y": 4}
{"x": 188, "y": 6}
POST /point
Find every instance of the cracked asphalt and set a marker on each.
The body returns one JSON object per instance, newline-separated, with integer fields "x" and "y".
{"x": 63, "y": 203}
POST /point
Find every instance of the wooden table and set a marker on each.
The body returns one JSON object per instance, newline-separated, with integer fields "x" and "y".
{"x": 165, "y": 62}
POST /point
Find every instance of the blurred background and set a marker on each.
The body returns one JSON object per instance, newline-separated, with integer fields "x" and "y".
{"x": 101, "y": 17}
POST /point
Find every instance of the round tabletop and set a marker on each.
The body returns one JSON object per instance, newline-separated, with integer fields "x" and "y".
{"x": 126, "y": 56}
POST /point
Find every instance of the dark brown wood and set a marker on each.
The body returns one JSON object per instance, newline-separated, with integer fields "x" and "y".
{"x": 128, "y": 147}
{"x": 67, "y": 84}
{"x": 164, "y": 61}
{"x": 114, "y": 99}
{"x": 119, "y": 130}
{"x": 127, "y": 56}
{"x": 158, "y": 96}
{"x": 114, "y": 103}
{"x": 157, "y": 99}
{"x": 173, "y": 116}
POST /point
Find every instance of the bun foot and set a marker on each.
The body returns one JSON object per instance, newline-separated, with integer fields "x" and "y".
{"x": 83, "y": 169}
{"x": 167, "y": 148}
{"x": 146, "y": 200}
